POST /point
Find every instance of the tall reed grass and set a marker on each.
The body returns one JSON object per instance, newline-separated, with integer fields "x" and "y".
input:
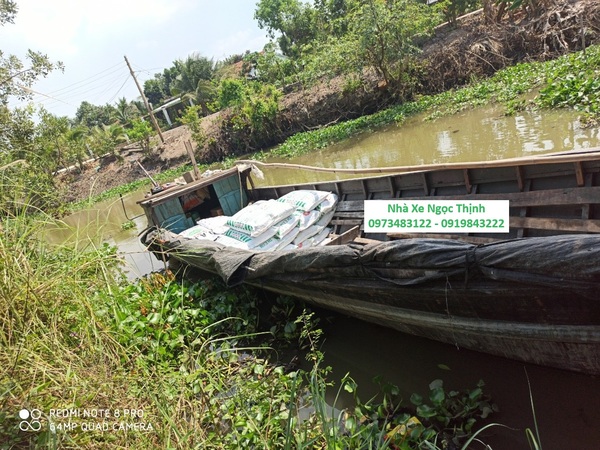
{"x": 53, "y": 350}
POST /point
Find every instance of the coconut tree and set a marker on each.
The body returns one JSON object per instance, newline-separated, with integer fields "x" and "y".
{"x": 194, "y": 80}
{"x": 125, "y": 111}
{"x": 105, "y": 139}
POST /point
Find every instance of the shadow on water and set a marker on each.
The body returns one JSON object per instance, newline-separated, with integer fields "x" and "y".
{"x": 566, "y": 403}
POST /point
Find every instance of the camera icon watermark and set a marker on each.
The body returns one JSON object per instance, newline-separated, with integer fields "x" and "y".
{"x": 30, "y": 420}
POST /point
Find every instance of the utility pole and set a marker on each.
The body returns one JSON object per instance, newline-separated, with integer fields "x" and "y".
{"x": 152, "y": 118}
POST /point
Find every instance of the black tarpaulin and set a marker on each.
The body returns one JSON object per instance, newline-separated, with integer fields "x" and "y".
{"x": 562, "y": 261}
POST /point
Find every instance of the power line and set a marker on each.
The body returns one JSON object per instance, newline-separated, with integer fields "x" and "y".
{"x": 25, "y": 88}
{"x": 103, "y": 81}
{"x": 119, "y": 90}
{"x": 141, "y": 69}
{"x": 86, "y": 90}
{"x": 117, "y": 67}
{"x": 92, "y": 88}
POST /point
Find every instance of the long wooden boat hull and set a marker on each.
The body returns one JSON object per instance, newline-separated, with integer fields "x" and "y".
{"x": 487, "y": 298}
{"x": 530, "y": 295}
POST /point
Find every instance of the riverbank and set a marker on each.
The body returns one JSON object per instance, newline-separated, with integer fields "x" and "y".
{"x": 524, "y": 86}
{"x": 318, "y": 116}
{"x": 89, "y": 361}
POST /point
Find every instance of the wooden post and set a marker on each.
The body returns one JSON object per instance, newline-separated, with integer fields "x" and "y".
{"x": 152, "y": 118}
{"x": 190, "y": 151}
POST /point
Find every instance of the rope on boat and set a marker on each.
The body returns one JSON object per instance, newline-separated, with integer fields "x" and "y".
{"x": 575, "y": 156}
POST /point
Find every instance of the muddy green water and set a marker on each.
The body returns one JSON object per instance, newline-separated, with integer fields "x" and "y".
{"x": 567, "y": 404}
{"x": 103, "y": 222}
{"x": 483, "y": 134}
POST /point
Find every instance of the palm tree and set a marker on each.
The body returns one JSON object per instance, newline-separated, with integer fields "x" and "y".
{"x": 75, "y": 139}
{"x": 193, "y": 80}
{"x": 125, "y": 111}
{"x": 106, "y": 138}
{"x": 140, "y": 107}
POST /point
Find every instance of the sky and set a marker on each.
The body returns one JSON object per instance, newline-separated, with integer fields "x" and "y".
{"x": 92, "y": 37}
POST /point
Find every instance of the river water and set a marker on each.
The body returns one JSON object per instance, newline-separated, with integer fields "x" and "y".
{"x": 567, "y": 405}
{"x": 103, "y": 222}
{"x": 482, "y": 134}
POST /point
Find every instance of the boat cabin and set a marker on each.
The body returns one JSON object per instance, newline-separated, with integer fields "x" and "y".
{"x": 180, "y": 207}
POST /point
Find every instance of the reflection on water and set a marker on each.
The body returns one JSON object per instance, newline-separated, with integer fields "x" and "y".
{"x": 483, "y": 134}
{"x": 566, "y": 404}
{"x": 103, "y": 223}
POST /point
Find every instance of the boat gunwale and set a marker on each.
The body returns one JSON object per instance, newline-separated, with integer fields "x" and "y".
{"x": 571, "y": 156}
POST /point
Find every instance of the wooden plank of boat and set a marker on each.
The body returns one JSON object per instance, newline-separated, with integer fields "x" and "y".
{"x": 346, "y": 237}
{"x": 456, "y": 237}
{"x": 166, "y": 195}
{"x": 556, "y": 224}
{"x": 549, "y": 197}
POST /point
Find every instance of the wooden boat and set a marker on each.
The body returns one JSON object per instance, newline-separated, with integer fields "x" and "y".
{"x": 530, "y": 294}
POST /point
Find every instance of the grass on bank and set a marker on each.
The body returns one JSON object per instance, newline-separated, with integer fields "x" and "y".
{"x": 191, "y": 356}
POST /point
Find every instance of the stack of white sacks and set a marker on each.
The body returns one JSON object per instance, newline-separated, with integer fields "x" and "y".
{"x": 296, "y": 220}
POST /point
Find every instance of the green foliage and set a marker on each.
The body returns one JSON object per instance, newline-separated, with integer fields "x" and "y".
{"x": 285, "y": 319}
{"x": 154, "y": 90}
{"x": 24, "y": 188}
{"x": 93, "y": 115}
{"x": 191, "y": 118}
{"x": 344, "y": 37}
{"x": 50, "y": 338}
{"x": 193, "y": 80}
{"x": 293, "y": 20}
{"x": 445, "y": 423}
{"x": 17, "y": 128}
{"x": 304, "y": 142}
{"x": 104, "y": 139}
{"x": 128, "y": 225}
{"x": 17, "y": 76}
{"x": 141, "y": 132}
{"x": 386, "y": 35}
{"x": 8, "y": 11}
{"x": 125, "y": 111}
{"x": 254, "y": 108}
{"x": 231, "y": 93}
{"x": 166, "y": 320}
{"x": 260, "y": 106}
{"x": 453, "y": 410}
{"x": 574, "y": 81}
{"x": 17, "y": 132}
{"x": 455, "y": 8}
{"x": 272, "y": 67}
